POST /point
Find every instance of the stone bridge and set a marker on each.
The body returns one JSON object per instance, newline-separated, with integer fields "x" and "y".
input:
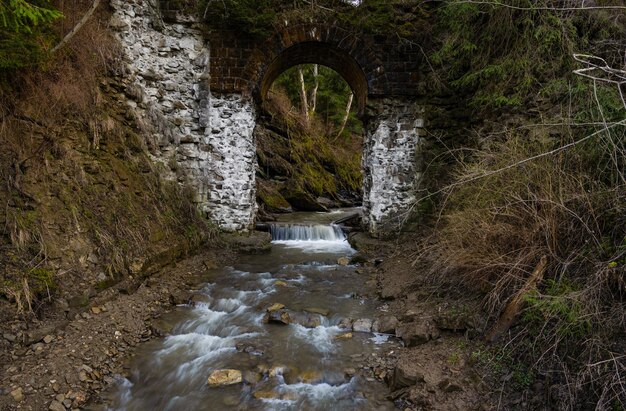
{"x": 198, "y": 94}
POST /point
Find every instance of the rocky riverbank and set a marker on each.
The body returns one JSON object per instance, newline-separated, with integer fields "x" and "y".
{"x": 71, "y": 360}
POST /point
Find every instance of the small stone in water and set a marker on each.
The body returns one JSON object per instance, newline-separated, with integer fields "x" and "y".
{"x": 281, "y": 283}
{"x": 220, "y": 378}
{"x": 343, "y": 261}
{"x": 275, "y": 307}
{"x": 345, "y": 336}
{"x": 230, "y": 400}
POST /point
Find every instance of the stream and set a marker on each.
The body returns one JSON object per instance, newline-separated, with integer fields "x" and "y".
{"x": 237, "y": 322}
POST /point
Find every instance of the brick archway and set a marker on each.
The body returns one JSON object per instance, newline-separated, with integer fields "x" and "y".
{"x": 311, "y": 52}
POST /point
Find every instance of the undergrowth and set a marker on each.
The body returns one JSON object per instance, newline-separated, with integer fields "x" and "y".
{"x": 502, "y": 213}
{"x": 315, "y": 162}
{"x": 83, "y": 205}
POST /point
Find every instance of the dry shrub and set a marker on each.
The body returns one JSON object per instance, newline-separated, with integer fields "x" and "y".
{"x": 67, "y": 84}
{"x": 570, "y": 207}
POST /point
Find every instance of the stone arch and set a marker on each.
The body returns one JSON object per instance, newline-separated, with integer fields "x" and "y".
{"x": 311, "y": 52}
{"x": 354, "y": 57}
{"x": 381, "y": 70}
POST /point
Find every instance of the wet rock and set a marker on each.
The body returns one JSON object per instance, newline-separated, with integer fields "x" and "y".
{"x": 417, "y": 332}
{"x": 405, "y": 374}
{"x": 180, "y": 297}
{"x": 306, "y": 320}
{"x": 345, "y": 336}
{"x": 56, "y": 406}
{"x": 251, "y": 377}
{"x": 275, "y": 307}
{"x": 161, "y": 327}
{"x": 221, "y": 378}
{"x": 310, "y": 377}
{"x": 386, "y": 325}
{"x": 350, "y": 371}
{"x": 343, "y": 261}
{"x": 321, "y": 311}
{"x": 358, "y": 258}
{"x": 230, "y": 400}
{"x": 280, "y": 316}
{"x": 345, "y": 323}
{"x": 18, "y": 394}
{"x": 362, "y": 325}
{"x": 281, "y": 283}
{"x": 277, "y": 370}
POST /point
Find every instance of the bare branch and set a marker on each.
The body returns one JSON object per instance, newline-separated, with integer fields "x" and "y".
{"x": 78, "y": 26}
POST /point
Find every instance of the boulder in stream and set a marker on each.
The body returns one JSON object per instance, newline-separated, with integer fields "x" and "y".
{"x": 363, "y": 325}
{"x": 280, "y": 316}
{"x": 222, "y": 378}
{"x": 386, "y": 324}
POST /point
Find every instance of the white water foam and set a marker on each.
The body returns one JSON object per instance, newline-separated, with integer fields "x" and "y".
{"x": 321, "y": 338}
{"x": 299, "y": 232}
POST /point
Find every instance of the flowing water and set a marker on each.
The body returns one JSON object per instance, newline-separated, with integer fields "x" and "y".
{"x": 285, "y": 367}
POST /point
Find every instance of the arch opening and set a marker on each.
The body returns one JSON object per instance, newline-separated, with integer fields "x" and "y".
{"x": 309, "y": 143}
{"x": 312, "y": 52}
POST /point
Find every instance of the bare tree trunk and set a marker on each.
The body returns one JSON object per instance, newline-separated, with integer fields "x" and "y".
{"x": 346, "y": 116}
{"x": 303, "y": 98}
{"x": 78, "y": 26}
{"x": 313, "y": 102}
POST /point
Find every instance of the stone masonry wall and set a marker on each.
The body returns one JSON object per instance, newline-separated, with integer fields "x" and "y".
{"x": 392, "y": 162}
{"x": 204, "y": 140}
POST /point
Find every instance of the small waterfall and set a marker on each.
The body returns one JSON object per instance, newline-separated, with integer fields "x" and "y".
{"x": 301, "y": 232}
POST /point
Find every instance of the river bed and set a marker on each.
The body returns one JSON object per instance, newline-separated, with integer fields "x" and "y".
{"x": 312, "y": 363}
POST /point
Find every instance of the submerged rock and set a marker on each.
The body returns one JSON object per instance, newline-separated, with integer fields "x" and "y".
{"x": 307, "y": 320}
{"x": 345, "y": 336}
{"x": 321, "y": 311}
{"x": 221, "y": 378}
